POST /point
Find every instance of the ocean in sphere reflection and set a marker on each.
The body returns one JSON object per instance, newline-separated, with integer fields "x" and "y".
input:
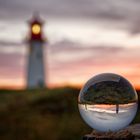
{"x": 108, "y": 102}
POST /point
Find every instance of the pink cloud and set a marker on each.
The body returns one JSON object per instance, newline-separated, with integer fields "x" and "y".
{"x": 72, "y": 63}
{"x": 93, "y": 60}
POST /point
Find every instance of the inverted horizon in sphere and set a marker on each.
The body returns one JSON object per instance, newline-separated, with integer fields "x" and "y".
{"x": 108, "y": 102}
{"x": 108, "y": 119}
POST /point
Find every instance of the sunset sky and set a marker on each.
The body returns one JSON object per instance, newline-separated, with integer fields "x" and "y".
{"x": 85, "y": 38}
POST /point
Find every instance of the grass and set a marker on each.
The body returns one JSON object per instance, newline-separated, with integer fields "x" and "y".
{"x": 42, "y": 115}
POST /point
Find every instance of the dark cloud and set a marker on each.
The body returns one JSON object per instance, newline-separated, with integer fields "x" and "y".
{"x": 11, "y": 47}
{"x": 5, "y": 43}
{"x": 77, "y": 8}
{"x": 66, "y": 46}
{"x": 118, "y": 14}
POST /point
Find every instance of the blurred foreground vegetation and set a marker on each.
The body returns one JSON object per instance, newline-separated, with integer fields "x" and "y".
{"x": 49, "y": 114}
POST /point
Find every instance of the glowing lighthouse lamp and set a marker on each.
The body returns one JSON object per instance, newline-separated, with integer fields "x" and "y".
{"x": 108, "y": 102}
{"x": 36, "y": 29}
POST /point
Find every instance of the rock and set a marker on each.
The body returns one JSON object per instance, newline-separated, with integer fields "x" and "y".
{"x": 135, "y": 130}
{"x": 130, "y": 133}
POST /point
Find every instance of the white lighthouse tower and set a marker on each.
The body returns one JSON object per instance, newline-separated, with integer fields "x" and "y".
{"x": 35, "y": 70}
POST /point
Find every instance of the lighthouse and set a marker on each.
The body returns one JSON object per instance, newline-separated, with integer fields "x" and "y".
{"x": 35, "y": 66}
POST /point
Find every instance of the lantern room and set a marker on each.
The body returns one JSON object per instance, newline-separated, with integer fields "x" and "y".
{"x": 36, "y": 29}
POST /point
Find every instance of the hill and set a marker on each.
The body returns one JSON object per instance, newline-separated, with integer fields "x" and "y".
{"x": 42, "y": 115}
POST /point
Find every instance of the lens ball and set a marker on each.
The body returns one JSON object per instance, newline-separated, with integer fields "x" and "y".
{"x": 108, "y": 102}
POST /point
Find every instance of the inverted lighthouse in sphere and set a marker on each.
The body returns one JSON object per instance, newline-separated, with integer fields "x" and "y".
{"x": 36, "y": 71}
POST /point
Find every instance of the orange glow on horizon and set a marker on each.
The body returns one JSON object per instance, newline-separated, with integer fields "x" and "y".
{"x": 107, "y": 106}
{"x": 51, "y": 86}
{"x": 78, "y": 83}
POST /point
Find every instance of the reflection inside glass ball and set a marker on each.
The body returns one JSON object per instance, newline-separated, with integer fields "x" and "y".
{"x": 108, "y": 102}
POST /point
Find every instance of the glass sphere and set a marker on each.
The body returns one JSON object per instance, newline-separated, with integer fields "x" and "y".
{"x": 108, "y": 102}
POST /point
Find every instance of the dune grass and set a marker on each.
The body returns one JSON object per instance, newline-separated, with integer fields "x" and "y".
{"x": 42, "y": 115}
